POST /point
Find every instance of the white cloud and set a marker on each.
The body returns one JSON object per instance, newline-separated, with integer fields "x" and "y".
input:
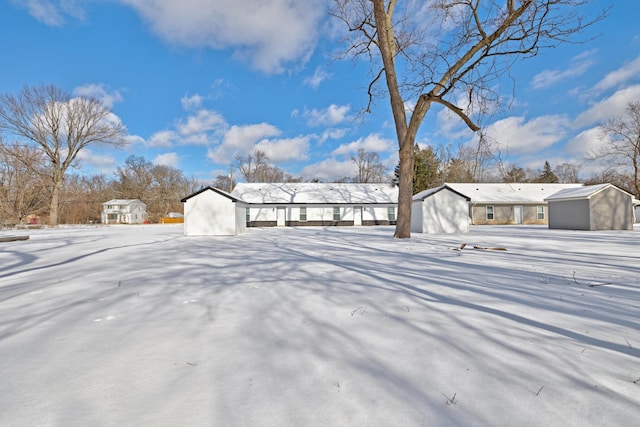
{"x": 330, "y": 116}
{"x": 620, "y": 76}
{"x": 163, "y": 138}
{"x": 332, "y": 133}
{"x": 285, "y": 149}
{"x": 518, "y": 136}
{"x": 585, "y": 142}
{"x": 373, "y": 142}
{"x": 98, "y": 91}
{"x": 269, "y": 34}
{"x": 203, "y": 121}
{"x": 578, "y": 66}
{"x": 607, "y": 108}
{"x": 317, "y": 78}
{"x": 48, "y": 12}
{"x": 240, "y": 140}
{"x": 167, "y": 159}
{"x": 192, "y": 102}
{"x": 329, "y": 169}
{"x": 99, "y": 162}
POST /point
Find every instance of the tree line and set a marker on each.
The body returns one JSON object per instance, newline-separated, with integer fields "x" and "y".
{"x": 25, "y": 195}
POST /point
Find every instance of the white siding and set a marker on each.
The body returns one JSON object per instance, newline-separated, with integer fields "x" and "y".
{"x": 416, "y": 217}
{"x": 441, "y": 212}
{"x": 210, "y": 214}
{"x": 241, "y": 217}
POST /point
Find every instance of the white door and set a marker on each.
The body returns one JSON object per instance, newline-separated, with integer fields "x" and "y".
{"x": 281, "y": 216}
{"x": 517, "y": 214}
{"x": 357, "y": 215}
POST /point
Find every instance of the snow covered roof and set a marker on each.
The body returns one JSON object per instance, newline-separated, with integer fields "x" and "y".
{"x": 508, "y": 192}
{"x": 431, "y": 191}
{"x": 122, "y": 202}
{"x": 316, "y": 193}
{"x": 583, "y": 192}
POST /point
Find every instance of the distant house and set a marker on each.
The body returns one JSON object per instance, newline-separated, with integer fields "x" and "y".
{"x": 124, "y": 211}
{"x": 440, "y": 210}
{"x": 636, "y": 210}
{"x": 213, "y": 212}
{"x": 508, "y": 203}
{"x": 592, "y": 207}
{"x": 318, "y": 204}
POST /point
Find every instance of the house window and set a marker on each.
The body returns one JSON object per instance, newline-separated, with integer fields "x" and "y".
{"x": 489, "y": 212}
{"x": 391, "y": 213}
{"x": 336, "y": 213}
{"x": 540, "y": 212}
{"x": 248, "y": 214}
{"x": 303, "y": 213}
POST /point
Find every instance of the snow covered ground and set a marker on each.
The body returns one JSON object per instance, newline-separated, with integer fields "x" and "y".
{"x": 141, "y": 326}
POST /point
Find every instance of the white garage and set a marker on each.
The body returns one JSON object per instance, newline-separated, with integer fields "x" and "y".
{"x": 440, "y": 210}
{"x": 213, "y": 212}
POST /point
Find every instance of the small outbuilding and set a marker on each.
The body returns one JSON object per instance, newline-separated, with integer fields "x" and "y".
{"x": 591, "y": 207}
{"x": 440, "y": 210}
{"x": 213, "y": 212}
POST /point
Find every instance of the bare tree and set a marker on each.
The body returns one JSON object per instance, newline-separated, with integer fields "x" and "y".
{"x": 514, "y": 174}
{"x": 49, "y": 119}
{"x": 21, "y": 188}
{"x": 567, "y": 173}
{"x": 255, "y": 168}
{"x": 225, "y": 182}
{"x": 447, "y": 52}
{"x": 370, "y": 168}
{"x": 134, "y": 179}
{"x": 169, "y": 187}
{"x": 622, "y": 144}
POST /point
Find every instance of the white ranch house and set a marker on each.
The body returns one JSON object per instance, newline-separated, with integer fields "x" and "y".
{"x": 318, "y": 204}
{"x": 124, "y": 211}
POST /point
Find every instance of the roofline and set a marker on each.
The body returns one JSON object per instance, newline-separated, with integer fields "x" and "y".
{"x": 588, "y": 196}
{"x": 442, "y": 187}
{"x": 216, "y": 190}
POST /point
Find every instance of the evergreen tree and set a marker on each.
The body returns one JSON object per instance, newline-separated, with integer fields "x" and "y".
{"x": 547, "y": 174}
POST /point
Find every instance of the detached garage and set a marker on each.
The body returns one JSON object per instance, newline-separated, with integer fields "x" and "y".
{"x": 440, "y": 210}
{"x": 592, "y": 207}
{"x": 213, "y": 212}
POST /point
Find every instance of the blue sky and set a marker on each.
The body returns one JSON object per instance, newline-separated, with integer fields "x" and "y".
{"x": 198, "y": 82}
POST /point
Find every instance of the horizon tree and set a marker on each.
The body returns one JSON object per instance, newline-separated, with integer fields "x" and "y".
{"x": 446, "y": 52}
{"x": 369, "y": 167}
{"x": 48, "y": 119}
{"x": 622, "y": 144}
{"x": 547, "y": 175}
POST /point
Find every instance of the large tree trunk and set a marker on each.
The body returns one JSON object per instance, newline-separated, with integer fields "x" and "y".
{"x": 55, "y": 202}
{"x": 405, "y": 192}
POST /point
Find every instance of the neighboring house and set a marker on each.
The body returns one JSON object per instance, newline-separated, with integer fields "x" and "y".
{"x": 508, "y": 203}
{"x": 636, "y": 210}
{"x": 124, "y": 211}
{"x": 440, "y": 210}
{"x": 592, "y": 207}
{"x": 213, "y": 212}
{"x": 318, "y": 204}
